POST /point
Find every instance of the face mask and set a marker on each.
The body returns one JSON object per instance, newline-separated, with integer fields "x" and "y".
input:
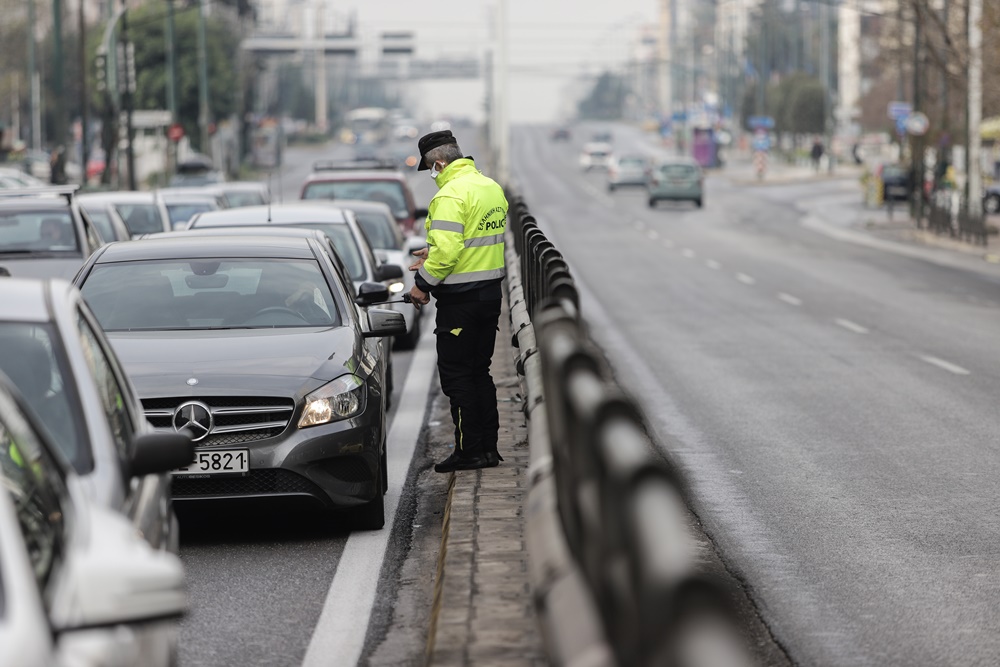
{"x": 434, "y": 171}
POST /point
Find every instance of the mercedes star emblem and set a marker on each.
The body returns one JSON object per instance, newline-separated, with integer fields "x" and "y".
{"x": 194, "y": 416}
{"x": 192, "y": 382}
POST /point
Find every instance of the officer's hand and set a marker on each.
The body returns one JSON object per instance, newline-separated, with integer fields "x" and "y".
{"x": 418, "y": 297}
{"x": 421, "y": 256}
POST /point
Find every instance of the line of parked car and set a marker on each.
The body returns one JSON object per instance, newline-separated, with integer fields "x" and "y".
{"x": 676, "y": 178}
{"x": 239, "y": 357}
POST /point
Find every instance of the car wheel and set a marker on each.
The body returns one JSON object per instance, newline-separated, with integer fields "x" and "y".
{"x": 371, "y": 515}
{"x": 697, "y": 202}
{"x": 611, "y": 187}
{"x": 992, "y": 204}
{"x": 652, "y": 203}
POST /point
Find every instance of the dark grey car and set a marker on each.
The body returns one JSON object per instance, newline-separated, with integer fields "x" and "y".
{"x": 254, "y": 345}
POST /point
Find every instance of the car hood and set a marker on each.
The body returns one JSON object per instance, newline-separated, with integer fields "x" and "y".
{"x": 260, "y": 362}
{"x": 41, "y": 267}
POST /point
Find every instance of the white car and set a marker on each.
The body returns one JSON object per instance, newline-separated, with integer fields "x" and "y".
{"x": 78, "y": 584}
{"x": 143, "y": 212}
{"x": 595, "y": 155}
{"x": 391, "y": 247}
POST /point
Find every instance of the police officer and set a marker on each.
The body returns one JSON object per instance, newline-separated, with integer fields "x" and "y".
{"x": 463, "y": 266}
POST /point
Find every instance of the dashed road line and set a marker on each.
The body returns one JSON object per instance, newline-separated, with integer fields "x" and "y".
{"x": 712, "y": 264}
{"x": 653, "y": 234}
{"x": 639, "y": 224}
{"x": 850, "y": 326}
{"x": 745, "y": 279}
{"x": 789, "y": 299}
{"x": 946, "y": 365}
{"x": 687, "y": 252}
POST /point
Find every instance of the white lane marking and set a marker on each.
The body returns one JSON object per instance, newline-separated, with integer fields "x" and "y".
{"x": 339, "y": 636}
{"x": 712, "y": 264}
{"x": 789, "y": 299}
{"x": 745, "y": 279}
{"x": 851, "y": 326}
{"x": 639, "y": 224}
{"x": 687, "y": 252}
{"x": 946, "y": 365}
{"x": 653, "y": 234}
{"x": 667, "y": 243}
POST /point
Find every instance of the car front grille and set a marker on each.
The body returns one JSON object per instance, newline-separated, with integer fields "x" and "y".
{"x": 236, "y": 419}
{"x": 257, "y": 482}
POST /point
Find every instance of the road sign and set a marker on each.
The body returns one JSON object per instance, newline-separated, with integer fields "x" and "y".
{"x": 175, "y": 132}
{"x": 901, "y": 125}
{"x": 760, "y": 123}
{"x": 761, "y": 141}
{"x": 897, "y": 110}
{"x": 917, "y": 124}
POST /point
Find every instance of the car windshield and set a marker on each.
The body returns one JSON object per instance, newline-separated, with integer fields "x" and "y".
{"x": 42, "y": 231}
{"x": 379, "y": 229}
{"x": 140, "y": 218}
{"x": 387, "y": 192}
{"x": 184, "y": 212}
{"x": 189, "y": 294}
{"x": 345, "y": 244}
{"x": 242, "y": 198}
{"x": 36, "y": 365}
{"x": 678, "y": 170}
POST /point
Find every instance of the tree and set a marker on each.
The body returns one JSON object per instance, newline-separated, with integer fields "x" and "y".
{"x": 147, "y": 32}
{"x": 606, "y": 100}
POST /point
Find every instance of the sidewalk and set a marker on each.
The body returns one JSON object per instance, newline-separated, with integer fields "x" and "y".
{"x": 483, "y": 613}
{"x": 741, "y": 172}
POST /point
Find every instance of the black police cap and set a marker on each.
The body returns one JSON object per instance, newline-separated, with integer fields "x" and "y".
{"x": 429, "y": 142}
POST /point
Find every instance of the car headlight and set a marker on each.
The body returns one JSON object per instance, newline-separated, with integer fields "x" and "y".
{"x": 396, "y": 288}
{"x": 340, "y": 399}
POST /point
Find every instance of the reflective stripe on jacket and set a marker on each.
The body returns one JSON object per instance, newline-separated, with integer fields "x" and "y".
{"x": 465, "y": 225}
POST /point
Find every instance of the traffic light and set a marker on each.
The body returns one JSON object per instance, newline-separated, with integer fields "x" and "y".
{"x": 101, "y": 71}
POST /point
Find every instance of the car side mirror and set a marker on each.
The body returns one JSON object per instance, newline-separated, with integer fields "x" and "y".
{"x": 116, "y": 577}
{"x": 160, "y": 451}
{"x": 369, "y": 293}
{"x": 385, "y": 323}
{"x": 420, "y": 213}
{"x": 389, "y": 272}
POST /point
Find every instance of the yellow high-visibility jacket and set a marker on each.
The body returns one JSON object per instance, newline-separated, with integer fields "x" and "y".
{"x": 465, "y": 225}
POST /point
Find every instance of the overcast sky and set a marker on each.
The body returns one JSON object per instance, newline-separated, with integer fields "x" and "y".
{"x": 552, "y": 42}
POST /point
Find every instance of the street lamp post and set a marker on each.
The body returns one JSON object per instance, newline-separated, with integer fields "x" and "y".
{"x": 203, "y": 112}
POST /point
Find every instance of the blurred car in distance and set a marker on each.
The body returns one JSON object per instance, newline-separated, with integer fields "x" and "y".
{"x": 15, "y": 178}
{"x": 676, "y": 179}
{"x": 561, "y": 134}
{"x": 197, "y": 169}
{"x": 79, "y": 585}
{"x": 896, "y": 181}
{"x": 595, "y": 155}
{"x": 105, "y": 217}
{"x": 55, "y": 353}
{"x": 367, "y": 181}
{"x": 143, "y": 212}
{"x": 44, "y": 235}
{"x": 290, "y": 398}
{"x": 388, "y": 241}
{"x": 185, "y": 203}
{"x": 627, "y": 170}
{"x": 991, "y": 198}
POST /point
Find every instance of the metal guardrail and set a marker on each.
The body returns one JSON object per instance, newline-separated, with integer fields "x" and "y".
{"x": 950, "y": 215}
{"x": 613, "y": 565}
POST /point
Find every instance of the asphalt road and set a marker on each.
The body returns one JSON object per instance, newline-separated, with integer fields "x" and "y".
{"x": 258, "y": 581}
{"x": 832, "y": 404}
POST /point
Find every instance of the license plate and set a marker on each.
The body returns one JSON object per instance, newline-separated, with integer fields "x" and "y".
{"x": 218, "y": 462}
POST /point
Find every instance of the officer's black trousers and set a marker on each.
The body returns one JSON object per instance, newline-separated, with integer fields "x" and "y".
{"x": 466, "y": 336}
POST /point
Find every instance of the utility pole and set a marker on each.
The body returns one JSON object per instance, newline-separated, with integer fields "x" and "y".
{"x": 974, "y": 197}
{"x": 320, "y": 57}
{"x": 917, "y": 143}
{"x": 84, "y": 116}
{"x": 202, "y": 80}
{"x": 663, "y": 59}
{"x": 500, "y": 98}
{"x": 171, "y": 83}
{"x": 127, "y": 99}
{"x": 675, "y": 82}
{"x": 33, "y": 82}
{"x": 824, "y": 75}
{"x": 57, "y": 73}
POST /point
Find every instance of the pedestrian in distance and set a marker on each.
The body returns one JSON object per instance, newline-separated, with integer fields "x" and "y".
{"x": 816, "y": 153}
{"x": 463, "y": 267}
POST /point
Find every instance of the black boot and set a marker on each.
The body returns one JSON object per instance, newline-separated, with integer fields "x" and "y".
{"x": 458, "y": 461}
